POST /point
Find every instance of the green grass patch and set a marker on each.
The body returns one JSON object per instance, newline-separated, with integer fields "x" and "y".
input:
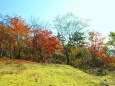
{"x": 18, "y": 74}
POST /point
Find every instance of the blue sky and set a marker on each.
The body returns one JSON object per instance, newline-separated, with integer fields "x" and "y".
{"x": 100, "y": 12}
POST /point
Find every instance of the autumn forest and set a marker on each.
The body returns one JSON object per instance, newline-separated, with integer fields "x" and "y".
{"x": 71, "y": 45}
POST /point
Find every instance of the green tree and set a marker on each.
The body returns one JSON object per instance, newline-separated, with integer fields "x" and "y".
{"x": 69, "y": 27}
{"x": 77, "y": 39}
{"x": 111, "y": 43}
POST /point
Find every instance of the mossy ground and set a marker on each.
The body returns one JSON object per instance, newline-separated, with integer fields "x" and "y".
{"x": 24, "y": 73}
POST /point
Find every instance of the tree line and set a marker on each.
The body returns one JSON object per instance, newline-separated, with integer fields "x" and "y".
{"x": 73, "y": 44}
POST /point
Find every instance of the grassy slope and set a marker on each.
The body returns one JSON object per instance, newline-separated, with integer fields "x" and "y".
{"x": 13, "y": 73}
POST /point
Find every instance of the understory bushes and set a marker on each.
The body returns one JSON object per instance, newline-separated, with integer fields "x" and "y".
{"x": 80, "y": 57}
{"x": 57, "y": 57}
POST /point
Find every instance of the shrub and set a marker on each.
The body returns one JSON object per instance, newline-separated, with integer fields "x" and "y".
{"x": 57, "y": 57}
{"x": 80, "y": 57}
{"x": 102, "y": 72}
{"x": 111, "y": 66}
{"x": 108, "y": 62}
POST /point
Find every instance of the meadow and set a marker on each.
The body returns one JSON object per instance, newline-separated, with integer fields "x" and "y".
{"x": 26, "y": 73}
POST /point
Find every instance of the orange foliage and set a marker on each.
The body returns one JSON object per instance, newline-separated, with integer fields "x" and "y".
{"x": 18, "y": 26}
{"x": 46, "y": 42}
{"x": 97, "y": 48}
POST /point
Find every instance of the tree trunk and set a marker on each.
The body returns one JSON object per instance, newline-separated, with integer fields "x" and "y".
{"x": 67, "y": 52}
{"x": 14, "y": 53}
{"x": 1, "y": 50}
{"x": 18, "y": 57}
{"x": 1, "y": 54}
{"x": 68, "y": 61}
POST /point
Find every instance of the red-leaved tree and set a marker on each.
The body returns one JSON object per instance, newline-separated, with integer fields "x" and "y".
{"x": 96, "y": 44}
{"x": 44, "y": 44}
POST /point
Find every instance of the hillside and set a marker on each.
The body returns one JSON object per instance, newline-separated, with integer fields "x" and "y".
{"x": 24, "y": 73}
